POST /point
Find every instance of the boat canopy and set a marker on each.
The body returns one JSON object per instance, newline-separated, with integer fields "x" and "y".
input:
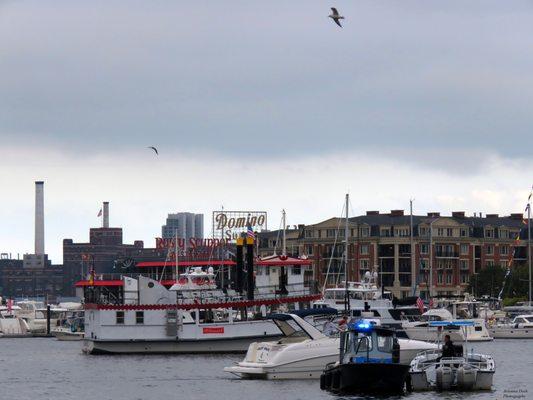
{"x": 451, "y": 323}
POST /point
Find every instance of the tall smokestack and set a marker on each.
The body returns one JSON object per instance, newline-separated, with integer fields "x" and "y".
{"x": 106, "y": 214}
{"x": 39, "y": 217}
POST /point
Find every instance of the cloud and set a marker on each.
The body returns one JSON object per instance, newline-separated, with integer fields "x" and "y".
{"x": 269, "y": 80}
{"x": 142, "y": 188}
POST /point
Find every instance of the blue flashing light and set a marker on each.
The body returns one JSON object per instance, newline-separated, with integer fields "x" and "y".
{"x": 362, "y": 326}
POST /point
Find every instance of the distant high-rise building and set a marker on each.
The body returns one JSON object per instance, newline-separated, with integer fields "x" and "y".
{"x": 185, "y": 225}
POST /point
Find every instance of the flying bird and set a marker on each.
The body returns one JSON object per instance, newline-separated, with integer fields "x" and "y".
{"x": 335, "y": 16}
{"x": 154, "y": 149}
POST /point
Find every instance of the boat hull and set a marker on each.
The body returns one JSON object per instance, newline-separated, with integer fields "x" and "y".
{"x": 365, "y": 378}
{"x": 511, "y": 333}
{"x": 207, "y": 346}
{"x": 420, "y": 381}
{"x": 67, "y": 336}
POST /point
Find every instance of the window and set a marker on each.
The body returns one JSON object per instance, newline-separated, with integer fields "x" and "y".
{"x": 464, "y": 232}
{"x": 308, "y": 234}
{"x": 463, "y": 264}
{"x": 120, "y": 318}
{"x": 464, "y": 278}
{"x": 139, "y": 317}
{"x": 490, "y": 249}
{"x": 503, "y": 264}
{"x": 423, "y": 231}
{"x": 384, "y": 232}
{"x": 330, "y": 233}
{"x": 464, "y": 249}
{"x": 449, "y": 279}
{"x": 504, "y": 234}
{"x": 504, "y": 250}
{"x": 423, "y": 264}
{"x": 489, "y": 233}
{"x": 363, "y": 249}
{"x": 490, "y": 263}
{"x": 309, "y": 248}
{"x": 449, "y": 232}
{"x": 267, "y": 270}
{"x": 363, "y": 264}
{"x": 440, "y": 278}
{"x": 440, "y": 232}
{"x": 401, "y": 232}
{"x": 424, "y": 248}
{"x": 365, "y": 231}
{"x": 296, "y": 270}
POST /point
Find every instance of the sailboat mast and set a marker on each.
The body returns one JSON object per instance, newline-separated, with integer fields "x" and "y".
{"x": 284, "y": 241}
{"x": 346, "y": 294}
{"x": 529, "y": 245}
{"x": 176, "y": 252}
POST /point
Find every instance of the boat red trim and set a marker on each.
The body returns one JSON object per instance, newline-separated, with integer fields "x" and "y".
{"x": 116, "y": 282}
{"x": 184, "y": 263}
{"x": 204, "y": 306}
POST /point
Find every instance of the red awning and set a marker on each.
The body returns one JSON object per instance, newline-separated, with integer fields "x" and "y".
{"x": 115, "y": 282}
{"x": 278, "y": 261}
{"x": 184, "y": 263}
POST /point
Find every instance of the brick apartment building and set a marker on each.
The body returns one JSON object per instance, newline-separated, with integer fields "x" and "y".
{"x": 461, "y": 246}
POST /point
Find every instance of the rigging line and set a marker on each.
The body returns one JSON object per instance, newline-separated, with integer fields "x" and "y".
{"x": 333, "y": 250}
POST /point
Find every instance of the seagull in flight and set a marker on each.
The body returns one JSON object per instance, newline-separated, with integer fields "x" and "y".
{"x": 335, "y": 16}
{"x": 154, "y": 149}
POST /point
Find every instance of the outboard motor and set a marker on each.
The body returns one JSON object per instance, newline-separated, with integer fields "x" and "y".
{"x": 466, "y": 377}
{"x": 444, "y": 378}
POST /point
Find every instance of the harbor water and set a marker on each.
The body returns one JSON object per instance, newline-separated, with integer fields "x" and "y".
{"x": 44, "y": 368}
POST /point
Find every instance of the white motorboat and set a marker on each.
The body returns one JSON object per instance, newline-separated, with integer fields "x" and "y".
{"x": 302, "y": 353}
{"x": 521, "y": 327}
{"x": 71, "y": 327}
{"x": 10, "y": 325}
{"x": 367, "y": 300}
{"x": 421, "y": 328}
{"x": 471, "y": 371}
{"x": 35, "y": 314}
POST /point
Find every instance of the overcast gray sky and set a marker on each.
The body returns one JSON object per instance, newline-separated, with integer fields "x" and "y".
{"x": 437, "y": 93}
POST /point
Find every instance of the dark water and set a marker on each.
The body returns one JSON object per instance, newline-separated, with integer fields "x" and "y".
{"x": 48, "y": 369}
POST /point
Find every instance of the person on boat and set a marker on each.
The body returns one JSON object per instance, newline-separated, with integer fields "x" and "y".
{"x": 342, "y": 323}
{"x": 448, "y": 349}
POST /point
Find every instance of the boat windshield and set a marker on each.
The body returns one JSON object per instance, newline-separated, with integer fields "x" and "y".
{"x": 291, "y": 329}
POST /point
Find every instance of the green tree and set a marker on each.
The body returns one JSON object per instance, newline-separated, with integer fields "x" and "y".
{"x": 489, "y": 281}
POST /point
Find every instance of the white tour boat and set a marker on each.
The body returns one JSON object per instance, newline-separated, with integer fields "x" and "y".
{"x": 193, "y": 316}
{"x": 303, "y": 352}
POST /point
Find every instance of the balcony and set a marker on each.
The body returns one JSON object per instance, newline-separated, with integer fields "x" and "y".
{"x": 446, "y": 254}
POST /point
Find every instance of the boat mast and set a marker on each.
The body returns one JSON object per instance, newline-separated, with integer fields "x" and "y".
{"x": 284, "y": 238}
{"x": 529, "y": 242}
{"x": 347, "y": 300}
{"x": 411, "y": 246}
{"x": 176, "y": 251}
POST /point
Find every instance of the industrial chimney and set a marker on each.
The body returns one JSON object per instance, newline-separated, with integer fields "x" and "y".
{"x": 39, "y": 217}
{"x": 106, "y": 214}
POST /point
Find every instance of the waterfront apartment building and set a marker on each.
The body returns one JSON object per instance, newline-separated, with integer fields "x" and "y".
{"x": 453, "y": 247}
{"x": 185, "y": 224}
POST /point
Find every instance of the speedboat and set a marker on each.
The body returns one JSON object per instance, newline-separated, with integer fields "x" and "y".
{"x": 369, "y": 362}
{"x": 302, "y": 352}
{"x": 71, "y": 327}
{"x": 421, "y": 328}
{"x": 521, "y": 327}
{"x": 471, "y": 371}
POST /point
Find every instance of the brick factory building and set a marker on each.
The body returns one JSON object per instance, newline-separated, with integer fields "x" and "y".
{"x": 461, "y": 246}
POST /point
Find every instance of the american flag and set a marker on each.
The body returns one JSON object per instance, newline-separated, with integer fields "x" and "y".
{"x": 250, "y": 232}
{"x": 420, "y": 305}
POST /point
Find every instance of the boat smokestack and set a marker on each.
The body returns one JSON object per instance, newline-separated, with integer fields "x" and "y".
{"x": 105, "y": 220}
{"x": 250, "y": 268}
{"x": 240, "y": 265}
{"x": 39, "y": 217}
